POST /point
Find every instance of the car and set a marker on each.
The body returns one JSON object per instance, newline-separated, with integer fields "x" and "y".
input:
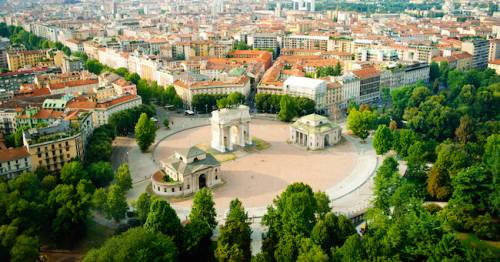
{"x": 189, "y": 113}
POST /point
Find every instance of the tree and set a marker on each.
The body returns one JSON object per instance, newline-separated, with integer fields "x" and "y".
{"x": 240, "y": 45}
{"x": 137, "y": 244}
{"x": 121, "y": 71}
{"x": 310, "y": 252}
{"x": 101, "y": 173}
{"x": 359, "y": 122}
{"x": 490, "y": 159}
{"x": 386, "y": 182}
{"x": 287, "y": 109}
{"x": 338, "y": 69}
{"x": 73, "y": 172}
{"x": 291, "y": 217}
{"x": 134, "y": 78}
{"x": 203, "y": 208}
{"x": 122, "y": 177}
{"x": 287, "y": 248}
{"x": 305, "y": 106}
{"x": 351, "y": 251}
{"x": 234, "y": 239}
{"x": 331, "y": 231}
{"x": 25, "y": 249}
{"x": 166, "y": 123}
{"x": 322, "y": 203}
{"x": 142, "y": 206}
{"x": 145, "y": 132}
{"x": 116, "y": 203}
{"x": 66, "y": 51}
{"x": 402, "y": 140}
{"x": 196, "y": 242}
{"x": 99, "y": 200}
{"x": 94, "y": 66}
{"x": 99, "y": 147}
{"x": 438, "y": 184}
{"x": 465, "y": 131}
{"x": 434, "y": 71}
{"x": 229, "y": 253}
{"x": 382, "y": 140}
{"x": 163, "y": 219}
{"x": 385, "y": 96}
{"x": 71, "y": 204}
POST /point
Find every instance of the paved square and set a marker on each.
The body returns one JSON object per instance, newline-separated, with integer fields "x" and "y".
{"x": 258, "y": 178}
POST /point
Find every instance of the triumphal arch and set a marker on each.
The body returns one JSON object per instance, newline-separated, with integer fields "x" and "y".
{"x": 230, "y": 126}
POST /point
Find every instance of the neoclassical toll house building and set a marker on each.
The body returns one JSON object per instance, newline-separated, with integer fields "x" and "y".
{"x": 315, "y": 132}
{"x": 186, "y": 172}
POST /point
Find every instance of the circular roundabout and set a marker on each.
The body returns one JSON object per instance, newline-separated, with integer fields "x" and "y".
{"x": 256, "y": 178}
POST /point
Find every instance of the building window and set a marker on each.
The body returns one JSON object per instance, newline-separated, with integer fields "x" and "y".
{"x": 173, "y": 189}
{"x": 164, "y": 190}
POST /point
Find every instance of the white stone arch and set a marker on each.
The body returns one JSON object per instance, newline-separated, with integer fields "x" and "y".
{"x": 230, "y": 126}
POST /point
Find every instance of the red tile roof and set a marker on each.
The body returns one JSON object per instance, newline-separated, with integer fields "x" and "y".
{"x": 368, "y": 72}
{"x": 13, "y": 154}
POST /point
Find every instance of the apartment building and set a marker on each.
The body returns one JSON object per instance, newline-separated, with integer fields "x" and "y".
{"x": 479, "y": 49}
{"x": 350, "y": 89}
{"x": 461, "y": 61}
{"x": 73, "y": 86}
{"x": 71, "y": 64}
{"x": 264, "y": 41}
{"x": 495, "y": 65}
{"x": 7, "y": 120}
{"x": 494, "y": 51}
{"x": 310, "y": 42}
{"x": 369, "y": 86}
{"x": 376, "y": 55}
{"x": 4, "y": 46}
{"x": 14, "y": 161}
{"x": 398, "y": 75}
{"x": 341, "y": 44}
{"x": 425, "y": 53}
{"x": 314, "y": 89}
{"x": 59, "y": 143}
{"x": 102, "y": 110}
{"x": 28, "y": 58}
{"x": 11, "y": 81}
{"x": 187, "y": 86}
{"x": 304, "y": 5}
{"x": 33, "y": 116}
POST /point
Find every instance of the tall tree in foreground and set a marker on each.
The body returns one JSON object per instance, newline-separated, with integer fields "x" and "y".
{"x": 137, "y": 244}
{"x": 287, "y": 109}
{"x": 142, "y": 206}
{"x": 116, "y": 203}
{"x": 234, "y": 240}
{"x": 203, "y": 208}
{"x": 123, "y": 178}
{"x": 145, "y": 132}
{"x": 359, "y": 122}
{"x": 382, "y": 140}
{"x": 162, "y": 218}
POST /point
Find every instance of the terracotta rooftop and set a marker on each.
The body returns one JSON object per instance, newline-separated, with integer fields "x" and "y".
{"x": 495, "y": 62}
{"x": 366, "y": 72}
{"x": 13, "y": 154}
{"x": 73, "y": 83}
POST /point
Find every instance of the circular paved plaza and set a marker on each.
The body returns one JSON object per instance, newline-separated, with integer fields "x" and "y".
{"x": 257, "y": 178}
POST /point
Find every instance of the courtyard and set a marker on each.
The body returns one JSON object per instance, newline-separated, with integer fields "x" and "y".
{"x": 257, "y": 178}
